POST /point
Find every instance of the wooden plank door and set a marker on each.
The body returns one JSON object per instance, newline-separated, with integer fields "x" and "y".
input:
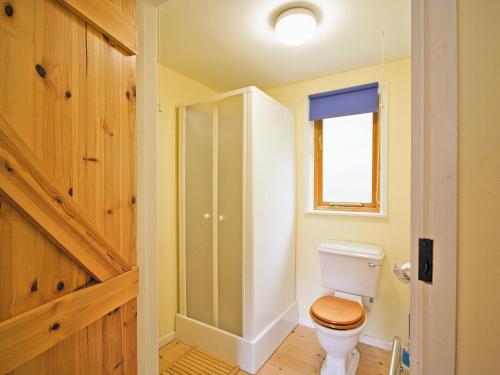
{"x": 68, "y": 275}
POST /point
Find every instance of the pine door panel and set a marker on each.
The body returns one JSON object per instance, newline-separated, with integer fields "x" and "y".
{"x": 68, "y": 181}
{"x": 33, "y": 271}
{"x": 17, "y": 38}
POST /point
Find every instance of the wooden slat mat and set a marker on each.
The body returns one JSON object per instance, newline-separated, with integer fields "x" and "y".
{"x": 197, "y": 362}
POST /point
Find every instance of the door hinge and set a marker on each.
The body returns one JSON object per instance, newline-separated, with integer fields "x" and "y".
{"x": 425, "y": 259}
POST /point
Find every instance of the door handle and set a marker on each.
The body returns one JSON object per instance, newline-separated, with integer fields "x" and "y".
{"x": 206, "y": 216}
{"x": 221, "y": 217}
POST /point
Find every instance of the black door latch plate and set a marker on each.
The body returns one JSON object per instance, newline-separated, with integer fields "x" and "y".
{"x": 425, "y": 255}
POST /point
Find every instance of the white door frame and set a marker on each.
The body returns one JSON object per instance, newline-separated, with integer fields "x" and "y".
{"x": 434, "y": 188}
{"x": 147, "y": 176}
{"x": 434, "y": 184}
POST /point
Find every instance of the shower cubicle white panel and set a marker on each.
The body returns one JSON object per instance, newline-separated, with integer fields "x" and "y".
{"x": 272, "y": 203}
{"x": 236, "y": 221}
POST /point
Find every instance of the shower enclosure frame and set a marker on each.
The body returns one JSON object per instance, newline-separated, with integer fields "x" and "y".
{"x": 256, "y": 344}
{"x": 182, "y": 202}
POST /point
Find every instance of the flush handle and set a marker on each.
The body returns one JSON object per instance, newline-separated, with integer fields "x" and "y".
{"x": 373, "y": 265}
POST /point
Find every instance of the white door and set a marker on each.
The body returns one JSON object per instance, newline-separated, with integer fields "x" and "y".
{"x": 434, "y": 184}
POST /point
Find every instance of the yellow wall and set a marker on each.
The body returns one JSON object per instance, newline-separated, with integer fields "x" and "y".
{"x": 173, "y": 89}
{"x": 478, "y": 327}
{"x": 389, "y": 315}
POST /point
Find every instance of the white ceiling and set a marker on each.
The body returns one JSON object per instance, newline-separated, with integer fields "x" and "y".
{"x": 227, "y": 44}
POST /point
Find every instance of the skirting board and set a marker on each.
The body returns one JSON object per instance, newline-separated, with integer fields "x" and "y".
{"x": 381, "y": 344}
{"x": 250, "y": 355}
{"x": 162, "y": 341}
{"x": 365, "y": 339}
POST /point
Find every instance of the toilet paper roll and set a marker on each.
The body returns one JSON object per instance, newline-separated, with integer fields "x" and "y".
{"x": 402, "y": 272}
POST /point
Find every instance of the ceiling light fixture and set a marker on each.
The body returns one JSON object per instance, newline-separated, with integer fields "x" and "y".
{"x": 295, "y": 26}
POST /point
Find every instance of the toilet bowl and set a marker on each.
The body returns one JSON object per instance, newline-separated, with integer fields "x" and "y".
{"x": 338, "y": 323}
{"x": 353, "y": 270}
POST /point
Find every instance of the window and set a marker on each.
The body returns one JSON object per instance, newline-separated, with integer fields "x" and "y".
{"x": 347, "y": 168}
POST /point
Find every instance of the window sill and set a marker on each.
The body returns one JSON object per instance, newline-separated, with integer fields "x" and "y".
{"x": 381, "y": 214}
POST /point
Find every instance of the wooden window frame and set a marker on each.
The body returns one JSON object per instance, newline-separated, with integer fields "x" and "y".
{"x": 319, "y": 204}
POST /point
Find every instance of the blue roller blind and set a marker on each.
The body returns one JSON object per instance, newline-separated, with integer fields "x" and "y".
{"x": 344, "y": 102}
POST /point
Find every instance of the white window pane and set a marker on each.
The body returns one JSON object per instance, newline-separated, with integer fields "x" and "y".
{"x": 347, "y": 159}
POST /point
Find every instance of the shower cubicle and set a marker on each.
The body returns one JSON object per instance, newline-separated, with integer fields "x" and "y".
{"x": 236, "y": 226}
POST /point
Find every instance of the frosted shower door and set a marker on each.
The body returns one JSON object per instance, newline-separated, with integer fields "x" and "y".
{"x": 230, "y": 213}
{"x": 199, "y": 212}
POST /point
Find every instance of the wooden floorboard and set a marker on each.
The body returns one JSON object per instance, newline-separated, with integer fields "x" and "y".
{"x": 299, "y": 354}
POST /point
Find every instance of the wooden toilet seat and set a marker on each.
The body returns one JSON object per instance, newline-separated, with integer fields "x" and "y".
{"x": 337, "y": 313}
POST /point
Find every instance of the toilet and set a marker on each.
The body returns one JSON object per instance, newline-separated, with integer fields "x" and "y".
{"x": 351, "y": 271}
